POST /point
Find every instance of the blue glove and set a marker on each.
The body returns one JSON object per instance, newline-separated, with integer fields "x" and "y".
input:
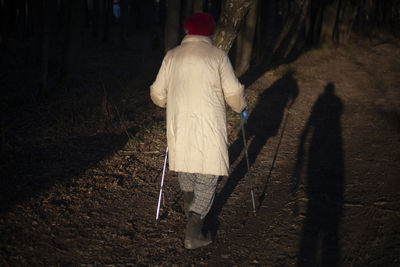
{"x": 244, "y": 115}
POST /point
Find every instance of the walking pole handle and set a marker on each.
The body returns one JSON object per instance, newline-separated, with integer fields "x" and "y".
{"x": 162, "y": 183}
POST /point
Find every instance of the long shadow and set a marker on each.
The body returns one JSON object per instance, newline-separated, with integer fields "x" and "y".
{"x": 264, "y": 122}
{"x": 34, "y": 169}
{"x": 28, "y": 170}
{"x": 324, "y": 183}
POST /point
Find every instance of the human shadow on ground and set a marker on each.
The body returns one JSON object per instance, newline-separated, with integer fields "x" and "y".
{"x": 324, "y": 185}
{"x": 34, "y": 169}
{"x": 264, "y": 122}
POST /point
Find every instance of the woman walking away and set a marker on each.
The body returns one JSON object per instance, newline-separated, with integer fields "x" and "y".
{"x": 194, "y": 82}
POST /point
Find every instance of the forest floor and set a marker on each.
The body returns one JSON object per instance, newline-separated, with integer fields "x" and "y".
{"x": 80, "y": 180}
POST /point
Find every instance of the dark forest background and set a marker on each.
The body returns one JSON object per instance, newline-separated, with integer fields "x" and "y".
{"x": 46, "y": 45}
{"x": 56, "y": 32}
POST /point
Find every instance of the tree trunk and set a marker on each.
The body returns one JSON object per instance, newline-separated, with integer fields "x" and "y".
{"x": 267, "y": 29}
{"x": 158, "y": 23}
{"x": 345, "y": 21}
{"x": 230, "y": 21}
{"x": 192, "y": 6}
{"x": 172, "y": 26}
{"x": 291, "y": 30}
{"x": 304, "y": 10}
{"x": 330, "y": 15}
{"x": 245, "y": 40}
{"x": 188, "y": 8}
{"x": 313, "y": 22}
{"x": 284, "y": 9}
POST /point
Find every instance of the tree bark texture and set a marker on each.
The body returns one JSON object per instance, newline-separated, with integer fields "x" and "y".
{"x": 313, "y": 22}
{"x": 346, "y": 16}
{"x": 232, "y": 15}
{"x": 330, "y": 14}
{"x": 245, "y": 41}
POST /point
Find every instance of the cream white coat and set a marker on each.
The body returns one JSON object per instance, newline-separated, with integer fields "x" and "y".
{"x": 194, "y": 82}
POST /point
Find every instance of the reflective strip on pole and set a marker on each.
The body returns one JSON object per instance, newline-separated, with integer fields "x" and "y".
{"x": 162, "y": 183}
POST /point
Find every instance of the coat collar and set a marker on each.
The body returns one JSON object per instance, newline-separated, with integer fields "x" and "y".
{"x": 196, "y": 38}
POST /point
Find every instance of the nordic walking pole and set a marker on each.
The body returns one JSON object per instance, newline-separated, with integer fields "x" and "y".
{"x": 162, "y": 183}
{"x": 248, "y": 164}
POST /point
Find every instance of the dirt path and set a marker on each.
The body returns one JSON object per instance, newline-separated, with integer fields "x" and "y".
{"x": 324, "y": 148}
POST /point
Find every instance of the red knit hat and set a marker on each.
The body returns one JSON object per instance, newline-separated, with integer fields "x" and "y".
{"x": 199, "y": 24}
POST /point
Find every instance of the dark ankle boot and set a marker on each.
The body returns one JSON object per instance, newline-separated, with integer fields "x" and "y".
{"x": 187, "y": 200}
{"x": 194, "y": 237}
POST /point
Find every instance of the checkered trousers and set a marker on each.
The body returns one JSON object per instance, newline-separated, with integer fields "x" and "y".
{"x": 203, "y": 186}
